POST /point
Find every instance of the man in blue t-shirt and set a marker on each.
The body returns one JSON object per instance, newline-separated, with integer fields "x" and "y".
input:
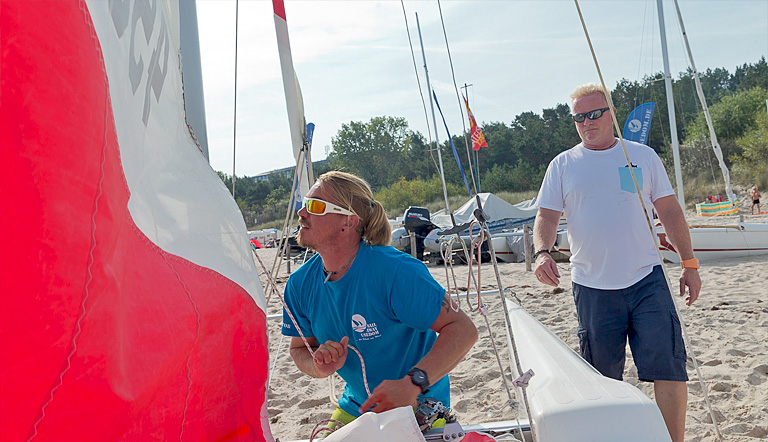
{"x": 359, "y": 292}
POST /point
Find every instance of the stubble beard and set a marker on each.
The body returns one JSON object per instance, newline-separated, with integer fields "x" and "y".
{"x": 300, "y": 239}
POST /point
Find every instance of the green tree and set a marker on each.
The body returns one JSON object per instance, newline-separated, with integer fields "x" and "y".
{"x": 752, "y": 163}
{"x": 416, "y": 192}
{"x": 376, "y": 151}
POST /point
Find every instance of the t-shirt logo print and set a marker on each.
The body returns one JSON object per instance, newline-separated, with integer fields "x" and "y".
{"x": 358, "y": 323}
{"x": 367, "y": 330}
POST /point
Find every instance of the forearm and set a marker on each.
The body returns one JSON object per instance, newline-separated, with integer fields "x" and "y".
{"x": 545, "y": 229}
{"x": 452, "y": 344}
{"x": 675, "y": 226}
{"x": 303, "y": 360}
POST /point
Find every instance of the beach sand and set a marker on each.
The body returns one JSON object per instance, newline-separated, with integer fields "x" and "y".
{"x": 727, "y": 327}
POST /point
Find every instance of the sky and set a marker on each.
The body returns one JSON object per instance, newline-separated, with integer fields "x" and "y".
{"x": 354, "y": 62}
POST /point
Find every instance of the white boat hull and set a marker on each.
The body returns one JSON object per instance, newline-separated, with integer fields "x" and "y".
{"x": 710, "y": 243}
{"x": 570, "y": 400}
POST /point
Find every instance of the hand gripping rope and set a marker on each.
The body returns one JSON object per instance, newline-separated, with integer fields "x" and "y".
{"x": 309, "y": 347}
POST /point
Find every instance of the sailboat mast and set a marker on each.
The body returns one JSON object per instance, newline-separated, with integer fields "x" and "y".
{"x": 434, "y": 119}
{"x": 700, "y": 92}
{"x": 671, "y": 108}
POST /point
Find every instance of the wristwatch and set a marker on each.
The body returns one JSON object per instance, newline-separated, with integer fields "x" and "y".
{"x": 419, "y": 379}
{"x": 692, "y": 263}
{"x": 539, "y": 252}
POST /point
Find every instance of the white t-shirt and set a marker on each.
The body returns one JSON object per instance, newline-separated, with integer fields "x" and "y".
{"x": 611, "y": 245}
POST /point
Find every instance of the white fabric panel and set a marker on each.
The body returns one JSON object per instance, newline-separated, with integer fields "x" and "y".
{"x": 177, "y": 200}
{"x": 398, "y": 425}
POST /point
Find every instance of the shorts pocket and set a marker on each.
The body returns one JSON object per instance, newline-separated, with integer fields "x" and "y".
{"x": 678, "y": 346}
{"x": 586, "y": 353}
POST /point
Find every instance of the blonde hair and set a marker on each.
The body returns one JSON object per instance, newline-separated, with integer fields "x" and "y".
{"x": 355, "y": 194}
{"x": 588, "y": 89}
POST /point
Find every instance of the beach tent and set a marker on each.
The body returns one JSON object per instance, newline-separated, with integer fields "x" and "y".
{"x": 494, "y": 207}
{"x": 131, "y": 307}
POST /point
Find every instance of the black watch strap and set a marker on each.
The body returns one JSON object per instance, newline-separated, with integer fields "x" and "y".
{"x": 539, "y": 252}
{"x": 419, "y": 379}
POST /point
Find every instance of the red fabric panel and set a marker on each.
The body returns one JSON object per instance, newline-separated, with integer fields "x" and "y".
{"x": 103, "y": 335}
{"x": 279, "y": 7}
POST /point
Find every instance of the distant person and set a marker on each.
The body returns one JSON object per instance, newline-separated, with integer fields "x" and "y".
{"x": 357, "y": 290}
{"x": 618, "y": 284}
{"x": 755, "y": 200}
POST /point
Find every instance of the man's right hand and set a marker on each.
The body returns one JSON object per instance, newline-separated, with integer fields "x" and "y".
{"x": 331, "y": 356}
{"x": 546, "y": 270}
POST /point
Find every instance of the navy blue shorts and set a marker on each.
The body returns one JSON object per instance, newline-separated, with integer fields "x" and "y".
{"x": 645, "y": 314}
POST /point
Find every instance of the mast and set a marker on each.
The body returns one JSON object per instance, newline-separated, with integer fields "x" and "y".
{"x": 700, "y": 92}
{"x": 434, "y": 120}
{"x": 671, "y": 108}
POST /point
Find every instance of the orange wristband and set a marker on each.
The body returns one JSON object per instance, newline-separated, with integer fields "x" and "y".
{"x": 692, "y": 263}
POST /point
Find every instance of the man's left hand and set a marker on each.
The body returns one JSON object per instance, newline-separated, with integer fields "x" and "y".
{"x": 690, "y": 278}
{"x": 390, "y": 395}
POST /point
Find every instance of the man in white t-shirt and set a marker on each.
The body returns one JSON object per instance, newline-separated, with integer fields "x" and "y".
{"x": 618, "y": 285}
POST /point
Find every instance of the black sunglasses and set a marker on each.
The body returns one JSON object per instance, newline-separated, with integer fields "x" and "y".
{"x": 592, "y": 115}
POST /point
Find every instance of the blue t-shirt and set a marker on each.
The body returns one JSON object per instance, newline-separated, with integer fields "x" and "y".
{"x": 385, "y": 304}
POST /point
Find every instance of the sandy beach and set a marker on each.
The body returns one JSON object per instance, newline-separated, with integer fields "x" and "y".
{"x": 727, "y": 327}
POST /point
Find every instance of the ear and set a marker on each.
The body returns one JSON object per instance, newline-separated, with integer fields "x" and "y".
{"x": 351, "y": 221}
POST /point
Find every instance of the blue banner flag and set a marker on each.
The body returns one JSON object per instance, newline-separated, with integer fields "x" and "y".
{"x": 453, "y": 147}
{"x": 638, "y": 124}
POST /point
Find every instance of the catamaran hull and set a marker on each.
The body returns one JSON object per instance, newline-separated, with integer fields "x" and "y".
{"x": 710, "y": 243}
{"x": 570, "y": 400}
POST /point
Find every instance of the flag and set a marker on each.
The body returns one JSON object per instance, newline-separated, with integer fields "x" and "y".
{"x": 478, "y": 139}
{"x": 638, "y": 123}
{"x": 453, "y": 146}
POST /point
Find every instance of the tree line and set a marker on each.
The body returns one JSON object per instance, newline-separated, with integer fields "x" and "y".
{"x": 402, "y": 169}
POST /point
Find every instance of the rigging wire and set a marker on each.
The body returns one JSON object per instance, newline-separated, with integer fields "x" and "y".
{"x": 416, "y": 71}
{"x": 650, "y": 226}
{"x": 458, "y": 98}
{"x": 234, "y": 122}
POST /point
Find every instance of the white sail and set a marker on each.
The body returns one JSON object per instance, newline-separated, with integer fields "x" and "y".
{"x": 294, "y": 104}
{"x": 700, "y": 93}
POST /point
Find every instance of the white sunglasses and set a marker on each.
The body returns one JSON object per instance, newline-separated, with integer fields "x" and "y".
{"x": 319, "y": 207}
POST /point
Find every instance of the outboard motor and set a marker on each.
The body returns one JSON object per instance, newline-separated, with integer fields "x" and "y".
{"x": 416, "y": 220}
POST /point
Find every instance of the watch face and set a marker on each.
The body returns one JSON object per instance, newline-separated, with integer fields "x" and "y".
{"x": 419, "y": 377}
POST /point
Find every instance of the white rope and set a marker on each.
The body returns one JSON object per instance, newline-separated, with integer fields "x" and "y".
{"x": 298, "y": 175}
{"x": 298, "y": 329}
{"x": 650, "y": 226}
{"x": 476, "y": 244}
{"x": 274, "y": 361}
{"x": 510, "y": 333}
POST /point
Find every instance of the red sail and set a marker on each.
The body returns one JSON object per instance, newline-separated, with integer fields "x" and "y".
{"x": 105, "y": 335}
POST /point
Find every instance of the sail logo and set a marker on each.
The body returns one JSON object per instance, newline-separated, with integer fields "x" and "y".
{"x": 148, "y": 60}
{"x": 635, "y": 125}
{"x": 367, "y": 330}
